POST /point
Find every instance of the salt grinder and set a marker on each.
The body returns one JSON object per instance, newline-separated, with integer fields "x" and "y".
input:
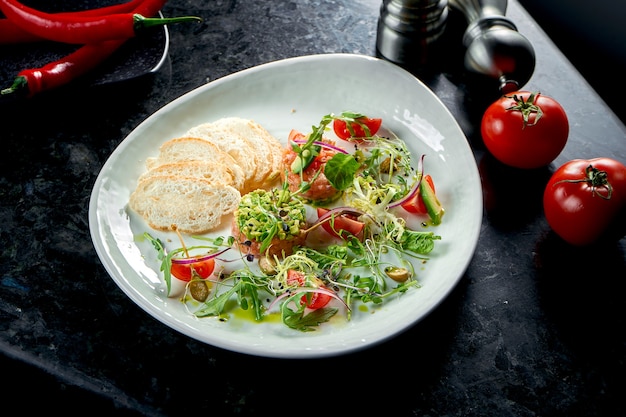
{"x": 494, "y": 46}
{"x": 407, "y": 29}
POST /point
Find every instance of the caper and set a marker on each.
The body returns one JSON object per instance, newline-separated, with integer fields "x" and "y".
{"x": 199, "y": 289}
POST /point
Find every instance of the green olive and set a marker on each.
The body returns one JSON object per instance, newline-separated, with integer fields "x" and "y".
{"x": 397, "y": 274}
{"x": 267, "y": 265}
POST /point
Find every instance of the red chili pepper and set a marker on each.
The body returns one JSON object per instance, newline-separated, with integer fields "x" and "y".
{"x": 149, "y": 7}
{"x": 55, "y": 74}
{"x": 10, "y": 33}
{"x": 83, "y": 29}
{"x": 58, "y": 73}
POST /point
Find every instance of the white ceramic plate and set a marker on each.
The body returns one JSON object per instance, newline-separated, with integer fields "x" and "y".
{"x": 282, "y": 95}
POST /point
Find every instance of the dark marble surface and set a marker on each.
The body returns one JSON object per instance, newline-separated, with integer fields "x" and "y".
{"x": 534, "y": 328}
{"x": 592, "y": 36}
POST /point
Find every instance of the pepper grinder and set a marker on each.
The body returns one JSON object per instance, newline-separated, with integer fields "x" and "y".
{"x": 408, "y": 30}
{"x": 494, "y": 46}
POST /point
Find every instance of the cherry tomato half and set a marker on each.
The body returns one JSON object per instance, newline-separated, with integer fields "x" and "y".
{"x": 316, "y": 300}
{"x": 313, "y": 300}
{"x": 184, "y": 272}
{"x": 416, "y": 204}
{"x": 341, "y": 127}
{"x": 341, "y": 226}
{"x": 585, "y": 200}
{"x": 525, "y": 130}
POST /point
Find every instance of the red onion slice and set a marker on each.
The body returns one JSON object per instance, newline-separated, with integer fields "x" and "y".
{"x": 323, "y": 145}
{"x": 193, "y": 260}
{"x": 305, "y": 290}
{"x": 413, "y": 191}
{"x": 340, "y": 211}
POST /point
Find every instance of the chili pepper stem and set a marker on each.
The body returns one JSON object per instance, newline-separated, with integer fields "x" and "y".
{"x": 18, "y": 84}
{"x": 142, "y": 22}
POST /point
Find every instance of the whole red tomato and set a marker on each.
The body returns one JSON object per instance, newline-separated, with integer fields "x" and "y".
{"x": 585, "y": 200}
{"x": 524, "y": 129}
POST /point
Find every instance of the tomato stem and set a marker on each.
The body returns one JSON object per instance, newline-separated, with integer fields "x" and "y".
{"x": 527, "y": 108}
{"x": 595, "y": 179}
{"x": 19, "y": 84}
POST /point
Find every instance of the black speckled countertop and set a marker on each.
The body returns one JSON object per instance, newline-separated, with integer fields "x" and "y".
{"x": 534, "y": 327}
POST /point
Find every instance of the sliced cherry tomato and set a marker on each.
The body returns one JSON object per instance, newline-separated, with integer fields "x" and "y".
{"x": 416, "y": 204}
{"x": 341, "y": 226}
{"x": 341, "y": 128}
{"x": 585, "y": 201}
{"x": 315, "y": 299}
{"x": 425, "y": 201}
{"x": 202, "y": 269}
{"x": 525, "y": 130}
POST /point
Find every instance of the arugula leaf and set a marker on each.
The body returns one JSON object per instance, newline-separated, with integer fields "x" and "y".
{"x": 247, "y": 293}
{"x": 166, "y": 260}
{"x": 298, "y": 320}
{"x": 307, "y": 151}
{"x": 215, "y": 306}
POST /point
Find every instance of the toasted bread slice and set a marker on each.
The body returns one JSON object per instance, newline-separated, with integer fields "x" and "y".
{"x": 185, "y": 149}
{"x": 190, "y": 205}
{"x": 266, "y": 147}
{"x": 214, "y": 173}
{"x": 241, "y": 149}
